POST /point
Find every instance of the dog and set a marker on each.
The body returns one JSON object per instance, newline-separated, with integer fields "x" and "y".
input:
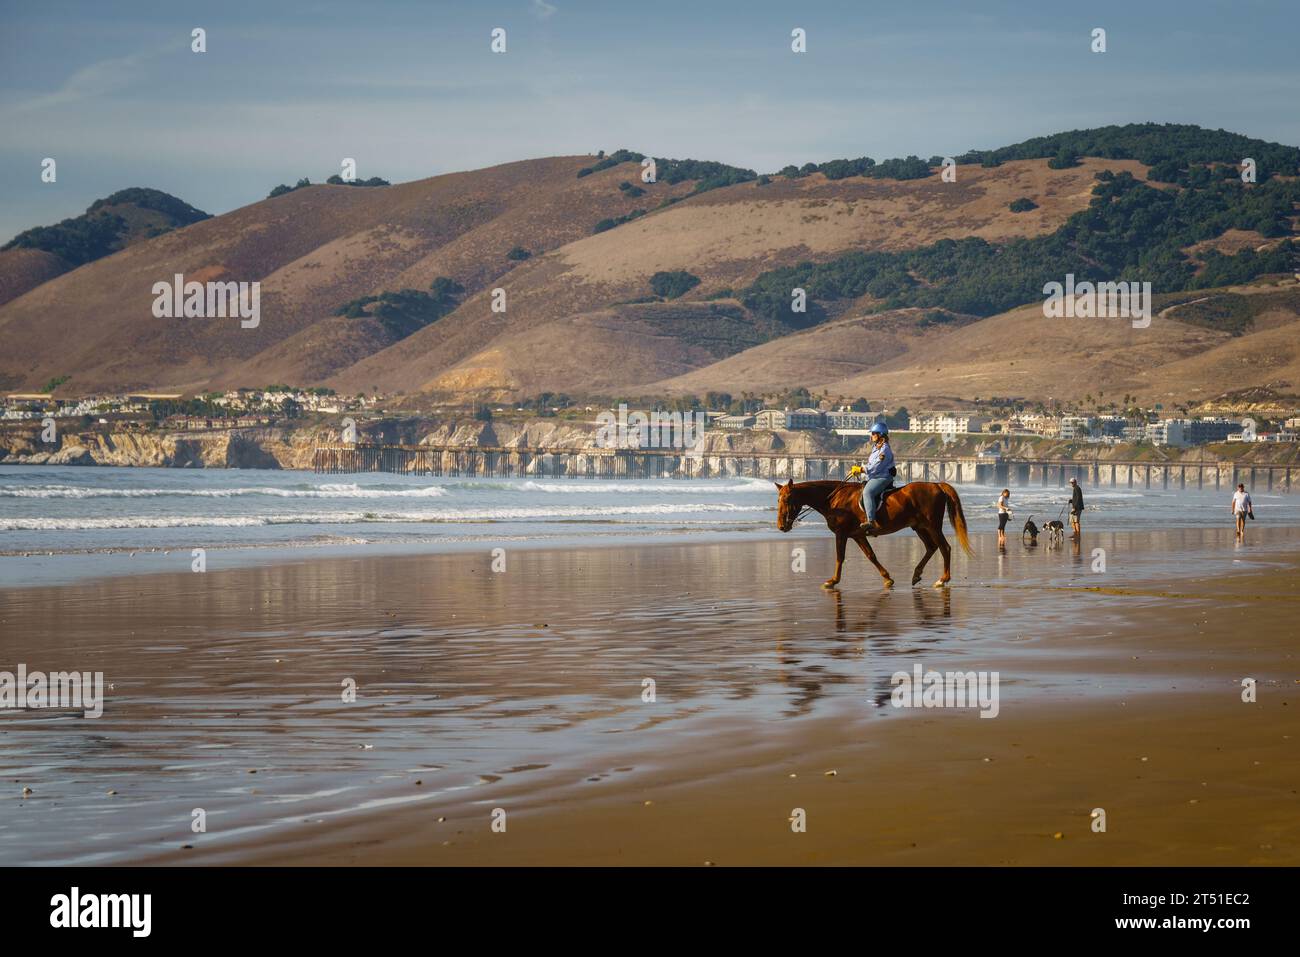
{"x": 1055, "y": 530}
{"x": 1030, "y": 531}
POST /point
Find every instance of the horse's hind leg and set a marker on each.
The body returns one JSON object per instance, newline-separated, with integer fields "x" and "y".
{"x": 946, "y": 549}
{"x": 861, "y": 539}
{"x": 930, "y": 546}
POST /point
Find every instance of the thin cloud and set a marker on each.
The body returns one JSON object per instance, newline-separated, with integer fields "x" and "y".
{"x": 542, "y": 10}
{"x": 96, "y": 79}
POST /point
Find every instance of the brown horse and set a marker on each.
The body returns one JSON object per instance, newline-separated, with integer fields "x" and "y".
{"x": 917, "y": 505}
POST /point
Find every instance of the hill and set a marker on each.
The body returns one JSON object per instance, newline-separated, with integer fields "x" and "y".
{"x": 915, "y": 285}
{"x": 107, "y": 226}
{"x": 1182, "y": 357}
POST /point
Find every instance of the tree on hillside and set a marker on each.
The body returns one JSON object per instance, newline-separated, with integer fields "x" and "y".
{"x": 670, "y": 285}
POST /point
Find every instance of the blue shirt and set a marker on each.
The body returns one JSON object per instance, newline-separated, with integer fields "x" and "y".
{"x": 880, "y": 462}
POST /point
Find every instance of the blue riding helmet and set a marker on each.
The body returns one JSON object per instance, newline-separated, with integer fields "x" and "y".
{"x": 879, "y": 429}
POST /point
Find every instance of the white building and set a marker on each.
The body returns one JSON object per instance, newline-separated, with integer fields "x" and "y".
{"x": 846, "y": 419}
{"x": 1076, "y": 426}
{"x": 943, "y": 423}
{"x": 805, "y": 419}
{"x": 1166, "y": 432}
{"x": 736, "y": 422}
{"x": 1036, "y": 423}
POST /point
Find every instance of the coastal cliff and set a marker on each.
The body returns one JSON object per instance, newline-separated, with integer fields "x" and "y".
{"x": 291, "y": 446}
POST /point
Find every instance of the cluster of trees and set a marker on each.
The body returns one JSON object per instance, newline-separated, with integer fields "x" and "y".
{"x": 1129, "y": 232}
{"x": 180, "y": 212}
{"x": 706, "y": 173}
{"x": 670, "y": 285}
{"x": 282, "y": 189}
{"x": 518, "y": 254}
{"x": 631, "y": 190}
{"x": 1153, "y": 144}
{"x": 610, "y": 161}
{"x": 545, "y": 403}
{"x": 937, "y": 317}
{"x": 1023, "y": 205}
{"x": 200, "y": 407}
{"x": 405, "y": 311}
{"x": 98, "y": 232}
{"x": 912, "y": 167}
{"x": 608, "y": 223}
{"x": 77, "y": 241}
{"x": 337, "y": 180}
{"x": 1064, "y": 159}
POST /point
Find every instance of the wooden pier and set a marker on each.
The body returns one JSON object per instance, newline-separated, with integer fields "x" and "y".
{"x": 596, "y": 463}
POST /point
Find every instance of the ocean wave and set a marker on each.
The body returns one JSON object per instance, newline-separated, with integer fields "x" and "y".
{"x": 462, "y": 515}
{"x": 327, "y": 490}
{"x": 665, "y": 486}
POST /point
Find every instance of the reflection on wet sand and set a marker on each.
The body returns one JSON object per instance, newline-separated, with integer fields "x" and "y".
{"x": 226, "y": 687}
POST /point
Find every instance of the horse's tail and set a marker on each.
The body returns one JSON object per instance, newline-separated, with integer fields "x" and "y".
{"x": 956, "y": 516}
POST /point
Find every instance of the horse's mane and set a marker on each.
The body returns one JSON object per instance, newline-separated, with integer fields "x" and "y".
{"x": 830, "y": 492}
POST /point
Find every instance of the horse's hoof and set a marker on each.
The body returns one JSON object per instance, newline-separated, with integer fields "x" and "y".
{"x": 829, "y": 584}
{"x": 889, "y": 583}
{"x": 940, "y": 584}
{"x": 916, "y": 579}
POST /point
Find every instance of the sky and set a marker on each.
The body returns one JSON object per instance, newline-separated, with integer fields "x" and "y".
{"x": 112, "y": 91}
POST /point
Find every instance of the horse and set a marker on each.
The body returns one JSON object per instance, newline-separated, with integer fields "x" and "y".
{"x": 916, "y": 505}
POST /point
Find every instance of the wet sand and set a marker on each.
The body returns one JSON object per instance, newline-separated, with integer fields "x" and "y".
{"x": 523, "y": 690}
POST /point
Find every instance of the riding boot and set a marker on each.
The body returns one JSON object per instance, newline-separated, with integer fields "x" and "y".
{"x": 869, "y": 528}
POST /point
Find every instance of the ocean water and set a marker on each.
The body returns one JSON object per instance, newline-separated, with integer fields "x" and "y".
{"x": 60, "y": 523}
{"x": 222, "y": 691}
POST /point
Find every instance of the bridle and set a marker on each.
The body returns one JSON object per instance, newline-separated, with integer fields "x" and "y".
{"x": 803, "y": 510}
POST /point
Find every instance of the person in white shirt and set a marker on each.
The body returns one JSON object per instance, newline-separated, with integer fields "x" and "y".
{"x": 1241, "y": 507}
{"x": 1004, "y": 513}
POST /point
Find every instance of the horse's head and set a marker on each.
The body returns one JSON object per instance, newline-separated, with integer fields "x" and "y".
{"x": 787, "y": 512}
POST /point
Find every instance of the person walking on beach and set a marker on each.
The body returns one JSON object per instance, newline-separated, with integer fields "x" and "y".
{"x": 1241, "y": 507}
{"x": 1076, "y": 506}
{"x": 1004, "y": 513}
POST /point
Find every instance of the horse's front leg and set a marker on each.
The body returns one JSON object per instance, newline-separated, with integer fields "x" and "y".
{"x": 840, "y": 540}
{"x": 861, "y": 539}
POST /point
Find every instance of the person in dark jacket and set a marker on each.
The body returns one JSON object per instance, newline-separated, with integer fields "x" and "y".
{"x": 1076, "y": 506}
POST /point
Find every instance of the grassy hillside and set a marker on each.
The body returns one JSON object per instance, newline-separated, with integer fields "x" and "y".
{"x": 916, "y": 285}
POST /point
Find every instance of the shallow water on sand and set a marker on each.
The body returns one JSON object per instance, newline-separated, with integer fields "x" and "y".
{"x": 226, "y": 686}
{"x": 63, "y": 523}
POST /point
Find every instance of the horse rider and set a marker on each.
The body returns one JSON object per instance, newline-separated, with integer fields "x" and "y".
{"x": 880, "y": 474}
